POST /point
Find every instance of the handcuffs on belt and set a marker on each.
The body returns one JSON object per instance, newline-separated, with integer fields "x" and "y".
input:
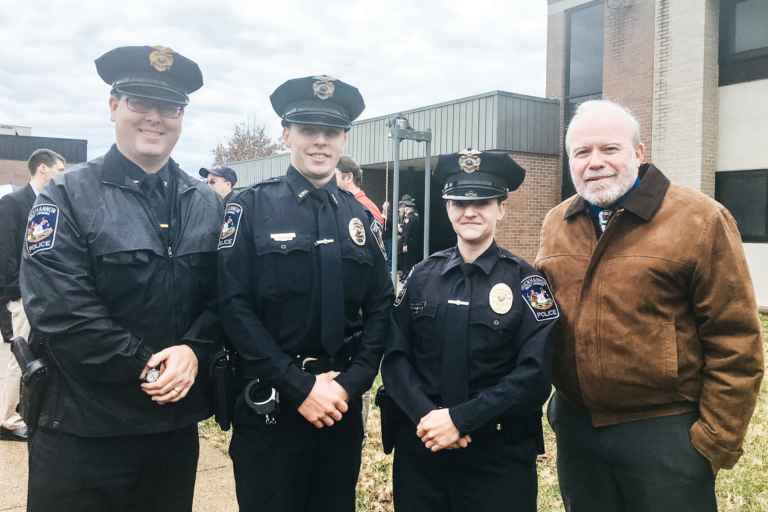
{"x": 262, "y": 400}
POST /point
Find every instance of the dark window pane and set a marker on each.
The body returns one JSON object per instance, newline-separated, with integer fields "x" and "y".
{"x": 745, "y": 194}
{"x": 586, "y": 51}
{"x": 750, "y": 25}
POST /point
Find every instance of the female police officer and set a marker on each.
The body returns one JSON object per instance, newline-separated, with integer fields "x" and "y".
{"x": 469, "y": 364}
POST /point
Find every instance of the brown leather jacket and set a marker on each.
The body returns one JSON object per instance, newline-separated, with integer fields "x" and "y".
{"x": 658, "y": 315}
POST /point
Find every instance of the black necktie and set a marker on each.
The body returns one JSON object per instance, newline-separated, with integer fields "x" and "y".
{"x": 455, "y": 371}
{"x": 154, "y": 190}
{"x": 331, "y": 285}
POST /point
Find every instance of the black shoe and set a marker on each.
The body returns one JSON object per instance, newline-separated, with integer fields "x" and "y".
{"x": 20, "y": 434}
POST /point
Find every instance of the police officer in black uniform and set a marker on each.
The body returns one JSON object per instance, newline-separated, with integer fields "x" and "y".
{"x": 469, "y": 364}
{"x": 306, "y": 301}
{"x": 118, "y": 280}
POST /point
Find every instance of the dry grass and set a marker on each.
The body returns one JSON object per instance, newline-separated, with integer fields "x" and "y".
{"x": 743, "y": 489}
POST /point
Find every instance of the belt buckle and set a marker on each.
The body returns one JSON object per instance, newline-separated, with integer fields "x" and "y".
{"x": 306, "y": 361}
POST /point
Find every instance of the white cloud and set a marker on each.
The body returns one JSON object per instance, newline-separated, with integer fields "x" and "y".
{"x": 400, "y": 54}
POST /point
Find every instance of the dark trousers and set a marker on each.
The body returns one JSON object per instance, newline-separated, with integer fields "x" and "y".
{"x": 293, "y": 466}
{"x": 640, "y": 466}
{"x": 490, "y": 475}
{"x": 143, "y": 473}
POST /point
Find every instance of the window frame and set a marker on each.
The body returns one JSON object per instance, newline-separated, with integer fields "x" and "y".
{"x": 738, "y": 67}
{"x": 720, "y": 176}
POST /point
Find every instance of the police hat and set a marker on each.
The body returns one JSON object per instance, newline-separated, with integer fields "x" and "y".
{"x": 318, "y": 100}
{"x": 152, "y": 72}
{"x": 224, "y": 172}
{"x": 407, "y": 200}
{"x": 471, "y": 175}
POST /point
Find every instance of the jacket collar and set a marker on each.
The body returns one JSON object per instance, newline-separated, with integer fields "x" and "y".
{"x": 301, "y": 187}
{"x": 644, "y": 200}
{"x": 485, "y": 261}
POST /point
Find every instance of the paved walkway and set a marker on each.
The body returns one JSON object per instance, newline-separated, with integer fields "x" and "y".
{"x": 214, "y": 492}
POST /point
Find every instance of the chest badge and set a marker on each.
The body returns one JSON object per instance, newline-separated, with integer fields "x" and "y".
{"x": 357, "y": 231}
{"x": 501, "y": 298}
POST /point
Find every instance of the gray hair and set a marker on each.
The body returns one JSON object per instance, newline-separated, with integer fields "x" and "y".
{"x": 603, "y": 106}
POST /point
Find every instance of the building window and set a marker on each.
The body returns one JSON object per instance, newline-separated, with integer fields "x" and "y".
{"x": 584, "y": 75}
{"x": 745, "y": 194}
{"x": 743, "y": 41}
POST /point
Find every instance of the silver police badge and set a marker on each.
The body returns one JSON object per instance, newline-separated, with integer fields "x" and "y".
{"x": 501, "y": 298}
{"x": 152, "y": 375}
{"x": 323, "y": 87}
{"x": 469, "y": 160}
{"x": 357, "y": 231}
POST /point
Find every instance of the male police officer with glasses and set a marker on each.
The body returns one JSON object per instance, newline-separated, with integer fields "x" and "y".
{"x": 305, "y": 300}
{"x": 118, "y": 281}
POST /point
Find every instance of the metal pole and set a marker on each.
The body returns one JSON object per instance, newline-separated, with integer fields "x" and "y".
{"x": 427, "y": 190}
{"x": 395, "y": 193}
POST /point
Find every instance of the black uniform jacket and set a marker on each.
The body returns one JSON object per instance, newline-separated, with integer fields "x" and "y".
{"x": 109, "y": 292}
{"x": 509, "y": 351}
{"x": 270, "y": 285}
{"x": 14, "y": 209}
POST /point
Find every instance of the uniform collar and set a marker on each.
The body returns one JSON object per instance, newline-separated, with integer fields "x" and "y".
{"x": 485, "y": 261}
{"x": 120, "y": 171}
{"x": 301, "y": 187}
{"x": 644, "y": 200}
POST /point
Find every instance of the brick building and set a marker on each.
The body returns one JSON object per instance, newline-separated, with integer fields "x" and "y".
{"x": 695, "y": 74}
{"x": 17, "y": 144}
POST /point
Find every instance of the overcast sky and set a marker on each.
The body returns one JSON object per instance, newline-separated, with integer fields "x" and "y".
{"x": 400, "y": 54}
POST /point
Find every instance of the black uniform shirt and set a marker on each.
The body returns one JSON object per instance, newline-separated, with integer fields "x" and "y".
{"x": 269, "y": 284}
{"x": 511, "y": 315}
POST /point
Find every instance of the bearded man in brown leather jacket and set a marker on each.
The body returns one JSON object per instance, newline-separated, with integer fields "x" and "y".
{"x": 660, "y": 358}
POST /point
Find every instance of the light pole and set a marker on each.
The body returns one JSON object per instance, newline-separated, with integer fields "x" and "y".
{"x": 400, "y": 130}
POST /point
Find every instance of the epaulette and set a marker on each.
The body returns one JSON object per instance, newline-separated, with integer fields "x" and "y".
{"x": 445, "y": 253}
{"x": 268, "y": 181}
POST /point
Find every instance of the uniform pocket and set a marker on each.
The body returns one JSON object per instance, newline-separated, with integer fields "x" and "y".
{"x": 287, "y": 265}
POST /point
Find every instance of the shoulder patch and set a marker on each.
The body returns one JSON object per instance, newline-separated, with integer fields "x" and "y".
{"x": 232, "y": 215}
{"x": 536, "y": 293}
{"x": 403, "y": 289}
{"x": 41, "y": 228}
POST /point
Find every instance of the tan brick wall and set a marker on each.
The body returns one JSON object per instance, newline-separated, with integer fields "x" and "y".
{"x": 527, "y": 206}
{"x": 13, "y": 172}
{"x": 685, "y": 110}
{"x": 628, "y": 61}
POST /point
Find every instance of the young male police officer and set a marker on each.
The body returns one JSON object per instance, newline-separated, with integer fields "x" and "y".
{"x": 116, "y": 278}
{"x": 470, "y": 361}
{"x": 305, "y": 300}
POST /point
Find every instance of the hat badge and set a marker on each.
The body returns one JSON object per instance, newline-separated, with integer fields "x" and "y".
{"x": 161, "y": 58}
{"x": 469, "y": 160}
{"x": 323, "y": 86}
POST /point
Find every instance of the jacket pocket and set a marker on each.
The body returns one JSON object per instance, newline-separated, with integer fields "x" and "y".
{"x": 638, "y": 362}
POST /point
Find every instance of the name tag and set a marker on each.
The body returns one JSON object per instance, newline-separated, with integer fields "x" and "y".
{"x": 282, "y": 237}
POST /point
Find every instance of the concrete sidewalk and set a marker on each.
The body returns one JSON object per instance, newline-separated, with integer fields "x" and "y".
{"x": 214, "y": 491}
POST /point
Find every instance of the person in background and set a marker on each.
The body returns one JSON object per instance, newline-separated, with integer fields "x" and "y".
{"x": 43, "y": 165}
{"x": 221, "y": 179}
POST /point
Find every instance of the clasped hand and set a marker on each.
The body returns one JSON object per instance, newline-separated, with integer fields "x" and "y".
{"x": 437, "y": 431}
{"x": 178, "y": 370}
{"x": 326, "y": 404}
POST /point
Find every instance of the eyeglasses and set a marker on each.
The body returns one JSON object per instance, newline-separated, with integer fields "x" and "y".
{"x": 163, "y": 108}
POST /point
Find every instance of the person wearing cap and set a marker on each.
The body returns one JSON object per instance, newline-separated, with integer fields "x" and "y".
{"x": 221, "y": 179}
{"x": 410, "y": 235}
{"x": 118, "y": 281}
{"x": 305, "y": 299}
{"x": 468, "y": 365}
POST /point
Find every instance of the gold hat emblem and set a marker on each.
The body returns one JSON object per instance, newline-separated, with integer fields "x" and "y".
{"x": 323, "y": 86}
{"x": 161, "y": 58}
{"x": 469, "y": 160}
{"x": 357, "y": 231}
{"x": 501, "y": 298}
